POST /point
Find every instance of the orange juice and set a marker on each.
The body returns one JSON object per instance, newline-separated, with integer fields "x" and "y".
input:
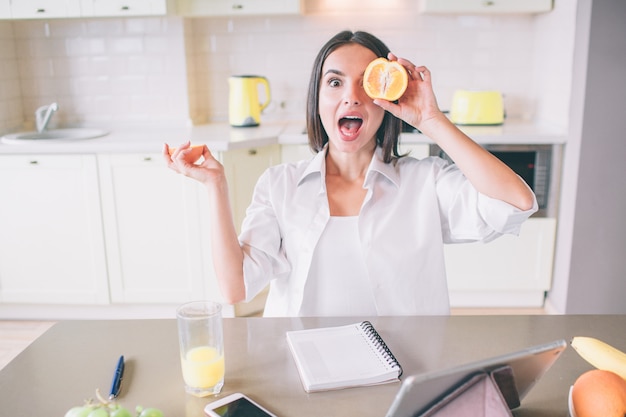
{"x": 203, "y": 367}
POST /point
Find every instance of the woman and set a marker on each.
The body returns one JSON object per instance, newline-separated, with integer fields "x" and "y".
{"x": 359, "y": 229}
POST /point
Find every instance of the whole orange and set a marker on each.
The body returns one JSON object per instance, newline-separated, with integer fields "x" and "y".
{"x": 599, "y": 393}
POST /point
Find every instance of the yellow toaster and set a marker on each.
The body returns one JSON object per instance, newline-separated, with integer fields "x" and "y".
{"x": 477, "y": 108}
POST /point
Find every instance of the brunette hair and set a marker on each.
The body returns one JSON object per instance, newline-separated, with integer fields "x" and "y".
{"x": 390, "y": 128}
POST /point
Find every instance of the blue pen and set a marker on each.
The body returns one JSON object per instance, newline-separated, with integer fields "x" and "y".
{"x": 117, "y": 378}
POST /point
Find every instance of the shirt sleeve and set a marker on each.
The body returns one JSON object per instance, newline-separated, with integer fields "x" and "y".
{"x": 261, "y": 241}
{"x": 469, "y": 216}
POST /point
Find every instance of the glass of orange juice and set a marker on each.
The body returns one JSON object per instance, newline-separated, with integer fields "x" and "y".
{"x": 201, "y": 341}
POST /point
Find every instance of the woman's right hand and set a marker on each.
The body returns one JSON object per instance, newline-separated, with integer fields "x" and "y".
{"x": 208, "y": 171}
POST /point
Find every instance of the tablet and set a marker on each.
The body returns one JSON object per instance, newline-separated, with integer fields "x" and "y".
{"x": 419, "y": 392}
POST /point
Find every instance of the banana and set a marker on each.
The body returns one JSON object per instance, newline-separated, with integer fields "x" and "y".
{"x": 600, "y": 354}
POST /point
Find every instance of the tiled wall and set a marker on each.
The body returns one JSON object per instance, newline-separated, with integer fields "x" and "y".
{"x": 103, "y": 71}
{"x": 462, "y": 52}
{"x": 171, "y": 70}
{"x": 10, "y": 96}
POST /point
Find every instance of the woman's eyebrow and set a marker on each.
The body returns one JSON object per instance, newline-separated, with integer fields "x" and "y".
{"x": 334, "y": 71}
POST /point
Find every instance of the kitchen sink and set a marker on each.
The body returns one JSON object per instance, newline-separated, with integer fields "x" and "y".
{"x": 54, "y": 135}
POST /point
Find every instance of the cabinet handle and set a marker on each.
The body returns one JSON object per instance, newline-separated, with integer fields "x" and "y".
{"x": 34, "y": 162}
{"x": 41, "y": 10}
{"x": 125, "y": 8}
{"x": 237, "y": 6}
{"x": 252, "y": 152}
{"x": 147, "y": 158}
{"x": 488, "y": 3}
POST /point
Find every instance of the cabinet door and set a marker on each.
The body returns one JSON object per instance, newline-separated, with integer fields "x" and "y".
{"x": 103, "y": 8}
{"x": 243, "y": 168}
{"x": 511, "y": 271}
{"x": 155, "y": 247}
{"x": 51, "y": 240}
{"x": 44, "y": 9}
{"x": 485, "y": 7}
{"x": 238, "y": 7}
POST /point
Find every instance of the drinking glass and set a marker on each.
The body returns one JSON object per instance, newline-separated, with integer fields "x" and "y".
{"x": 201, "y": 347}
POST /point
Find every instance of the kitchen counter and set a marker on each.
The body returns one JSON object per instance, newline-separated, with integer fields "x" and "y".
{"x": 218, "y": 136}
{"x": 511, "y": 132}
{"x": 222, "y": 137}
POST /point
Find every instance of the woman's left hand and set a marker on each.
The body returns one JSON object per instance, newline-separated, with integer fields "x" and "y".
{"x": 418, "y": 103}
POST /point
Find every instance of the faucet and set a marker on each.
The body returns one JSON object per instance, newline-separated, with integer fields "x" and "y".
{"x": 43, "y": 115}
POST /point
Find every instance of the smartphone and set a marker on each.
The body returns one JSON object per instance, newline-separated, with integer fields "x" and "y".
{"x": 236, "y": 405}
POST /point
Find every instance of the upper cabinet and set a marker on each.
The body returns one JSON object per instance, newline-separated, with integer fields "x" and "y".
{"x": 49, "y": 9}
{"x": 484, "y": 6}
{"x": 104, "y": 8}
{"x": 41, "y": 9}
{"x": 238, "y": 7}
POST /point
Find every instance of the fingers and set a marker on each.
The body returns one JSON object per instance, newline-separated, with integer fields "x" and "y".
{"x": 388, "y": 106}
{"x": 419, "y": 73}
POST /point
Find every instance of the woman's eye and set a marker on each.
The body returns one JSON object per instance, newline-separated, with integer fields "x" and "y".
{"x": 334, "y": 82}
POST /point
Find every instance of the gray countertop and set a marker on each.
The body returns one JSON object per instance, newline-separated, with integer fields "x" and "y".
{"x": 66, "y": 364}
{"x": 221, "y": 137}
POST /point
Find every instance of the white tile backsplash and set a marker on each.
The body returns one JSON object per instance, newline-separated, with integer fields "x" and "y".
{"x": 170, "y": 70}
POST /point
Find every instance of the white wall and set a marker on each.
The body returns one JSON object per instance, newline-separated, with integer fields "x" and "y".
{"x": 590, "y": 273}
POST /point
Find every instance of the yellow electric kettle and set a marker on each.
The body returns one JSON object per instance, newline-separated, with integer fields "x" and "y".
{"x": 244, "y": 106}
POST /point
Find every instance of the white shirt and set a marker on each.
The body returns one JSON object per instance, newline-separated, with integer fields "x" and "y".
{"x": 338, "y": 282}
{"x": 411, "y": 208}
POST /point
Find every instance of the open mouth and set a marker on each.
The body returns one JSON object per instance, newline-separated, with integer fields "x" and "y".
{"x": 350, "y": 125}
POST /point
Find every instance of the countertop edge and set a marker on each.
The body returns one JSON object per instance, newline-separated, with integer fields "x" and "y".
{"x": 221, "y": 137}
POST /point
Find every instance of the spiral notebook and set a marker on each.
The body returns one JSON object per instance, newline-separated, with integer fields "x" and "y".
{"x": 342, "y": 357}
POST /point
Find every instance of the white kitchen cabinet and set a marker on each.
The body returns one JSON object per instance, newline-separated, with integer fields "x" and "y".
{"x": 157, "y": 249}
{"x": 44, "y": 9}
{"x": 51, "y": 239}
{"x": 121, "y": 8}
{"x": 507, "y": 272}
{"x": 485, "y": 6}
{"x": 238, "y": 7}
{"x": 293, "y": 153}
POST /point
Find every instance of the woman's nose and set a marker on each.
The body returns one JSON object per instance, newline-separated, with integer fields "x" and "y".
{"x": 353, "y": 94}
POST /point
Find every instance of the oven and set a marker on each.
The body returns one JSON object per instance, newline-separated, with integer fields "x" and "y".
{"x": 538, "y": 165}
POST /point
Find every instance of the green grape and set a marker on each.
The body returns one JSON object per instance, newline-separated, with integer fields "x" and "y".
{"x": 81, "y": 411}
{"x": 120, "y": 412}
{"x": 99, "y": 412}
{"x": 151, "y": 412}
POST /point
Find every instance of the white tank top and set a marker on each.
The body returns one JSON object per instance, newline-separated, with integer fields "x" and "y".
{"x": 338, "y": 283}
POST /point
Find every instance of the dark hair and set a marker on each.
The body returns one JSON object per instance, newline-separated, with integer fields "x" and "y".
{"x": 389, "y": 130}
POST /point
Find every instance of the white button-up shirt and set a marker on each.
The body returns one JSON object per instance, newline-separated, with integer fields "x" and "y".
{"x": 412, "y": 207}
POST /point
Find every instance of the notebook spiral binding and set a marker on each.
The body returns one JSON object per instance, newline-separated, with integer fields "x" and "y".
{"x": 371, "y": 332}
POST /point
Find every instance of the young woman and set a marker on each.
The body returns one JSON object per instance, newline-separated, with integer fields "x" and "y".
{"x": 359, "y": 229}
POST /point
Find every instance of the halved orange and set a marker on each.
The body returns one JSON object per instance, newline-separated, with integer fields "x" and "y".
{"x": 385, "y": 79}
{"x": 194, "y": 155}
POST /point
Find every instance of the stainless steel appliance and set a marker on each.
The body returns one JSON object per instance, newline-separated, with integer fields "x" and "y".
{"x": 538, "y": 165}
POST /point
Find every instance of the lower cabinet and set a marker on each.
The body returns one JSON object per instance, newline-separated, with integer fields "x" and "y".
{"x": 113, "y": 229}
{"x": 155, "y": 247}
{"x": 511, "y": 271}
{"x": 51, "y": 238}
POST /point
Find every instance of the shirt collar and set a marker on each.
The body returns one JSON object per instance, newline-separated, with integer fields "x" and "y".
{"x": 318, "y": 165}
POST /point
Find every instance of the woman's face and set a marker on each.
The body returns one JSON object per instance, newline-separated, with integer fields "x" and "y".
{"x": 349, "y": 116}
